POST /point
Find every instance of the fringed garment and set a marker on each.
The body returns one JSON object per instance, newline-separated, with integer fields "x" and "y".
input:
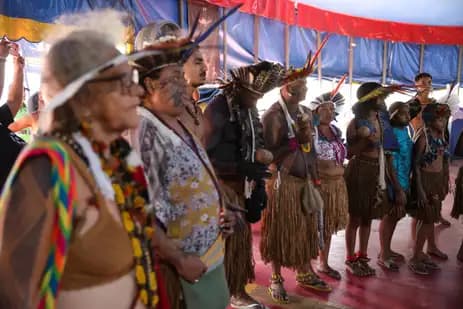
{"x": 433, "y": 185}
{"x": 289, "y": 232}
{"x": 457, "y": 209}
{"x": 335, "y": 202}
{"x": 239, "y": 261}
{"x": 366, "y": 199}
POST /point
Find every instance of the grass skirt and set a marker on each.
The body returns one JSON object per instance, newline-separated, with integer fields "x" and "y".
{"x": 289, "y": 235}
{"x": 173, "y": 285}
{"x": 457, "y": 209}
{"x": 433, "y": 185}
{"x": 366, "y": 200}
{"x": 239, "y": 261}
{"x": 335, "y": 202}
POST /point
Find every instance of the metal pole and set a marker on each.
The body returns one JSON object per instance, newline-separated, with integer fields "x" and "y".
{"x": 351, "y": 64}
{"x": 383, "y": 79}
{"x": 319, "y": 60}
{"x": 225, "y": 48}
{"x": 421, "y": 57}
{"x": 460, "y": 64}
{"x": 181, "y": 12}
{"x": 286, "y": 46}
{"x": 256, "y": 38}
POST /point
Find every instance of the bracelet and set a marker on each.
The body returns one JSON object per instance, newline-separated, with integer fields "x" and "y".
{"x": 317, "y": 182}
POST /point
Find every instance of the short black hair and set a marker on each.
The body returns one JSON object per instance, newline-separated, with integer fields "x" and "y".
{"x": 395, "y": 106}
{"x": 422, "y": 75}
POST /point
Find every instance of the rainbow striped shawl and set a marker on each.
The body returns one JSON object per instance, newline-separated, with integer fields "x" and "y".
{"x": 64, "y": 194}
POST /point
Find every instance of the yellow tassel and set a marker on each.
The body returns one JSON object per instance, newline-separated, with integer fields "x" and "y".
{"x": 127, "y": 220}
{"x": 136, "y": 248}
{"x": 120, "y": 199}
{"x": 153, "y": 282}
{"x": 140, "y": 274}
{"x": 144, "y": 296}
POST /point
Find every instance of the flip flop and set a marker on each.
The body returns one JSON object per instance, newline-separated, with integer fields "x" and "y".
{"x": 444, "y": 222}
{"x": 330, "y": 272}
{"x": 282, "y": 297}
{"x": 388, "y": 264}
{"x": 438, "y": 254}
{"x": 312, "y": 281}
{"x": 418, "y": 268}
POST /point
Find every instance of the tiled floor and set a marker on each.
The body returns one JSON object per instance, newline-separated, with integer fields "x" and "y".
{"x": 443, "y": 289}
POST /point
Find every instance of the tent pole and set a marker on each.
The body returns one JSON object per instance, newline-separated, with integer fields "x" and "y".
{"x": 181, "y": 13}
{"x": 225, "y": 48}
{"x": 421, "y": 57}
{"x": 256, "y": 38}
{"x": 319, "y": 60}
{"x": 460, "y": 64}
{"x": 287, "y": 46}
{"x": 351, "y": 64}
{"x": 383, "y": 79}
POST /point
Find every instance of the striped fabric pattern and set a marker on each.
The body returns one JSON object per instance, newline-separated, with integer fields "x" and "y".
{"x": 64, "y": 194}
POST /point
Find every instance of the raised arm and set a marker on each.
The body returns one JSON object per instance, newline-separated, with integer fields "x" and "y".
{"x": 21, "y": 124}
{"x": 4, "y": 51}
{"x": 26, "y": 221}
{"x": 16, "y": 89}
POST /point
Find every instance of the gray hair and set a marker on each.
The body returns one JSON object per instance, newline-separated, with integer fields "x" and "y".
{"x": 69, "y": 58}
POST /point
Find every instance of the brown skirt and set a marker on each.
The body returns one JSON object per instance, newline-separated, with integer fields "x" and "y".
{"x": 239, "y": 260}
{"x": 457, "y": 209}
{"x": 433, "y": 185}
{"x": 289, "y": 234}
{"x": 366, "y": 200}
{"x": 335, "y": 203}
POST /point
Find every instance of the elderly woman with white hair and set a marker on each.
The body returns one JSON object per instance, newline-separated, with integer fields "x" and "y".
{"x": 74, "y": 232}
{"x": 331, "y": 154}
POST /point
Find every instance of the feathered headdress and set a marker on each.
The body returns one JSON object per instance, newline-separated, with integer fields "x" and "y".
{"x": 331, "y": 97}
{"x": 176, "y": 49}
{"x": 383, "y": 91}
{"x": 258, "y": 78}
{"x": 308, "y": 68}
{"x": 451, "y": 98}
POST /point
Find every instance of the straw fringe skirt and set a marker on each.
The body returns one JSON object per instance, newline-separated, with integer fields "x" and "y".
{"x": 335, "y": 202}
{"x": 366, "y": 200}
{"x": 289, "y": 235}
{"x": 457, "y": 209}
{"x": 239, "y": 260}
{"x": 173, "y": 285}
{"x": 433, "y": 185}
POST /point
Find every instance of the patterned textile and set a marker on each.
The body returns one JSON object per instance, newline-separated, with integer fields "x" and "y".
{"x": 334, "y": 150}
{"x": 182, "y": 186}
{"x": 63, "y": 185}
{"x": 402, "y": 160}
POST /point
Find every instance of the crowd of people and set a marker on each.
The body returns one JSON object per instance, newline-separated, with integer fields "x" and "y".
{"x": 132, "y": 196}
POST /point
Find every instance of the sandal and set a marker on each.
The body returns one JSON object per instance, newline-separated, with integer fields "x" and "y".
{"x": 388, "y": 264}
{"x": 397, "y": 256}
{"x": 278, "y": 294}
{"x": 418, "y": 268}
{"x": 366, "y": 267}
{"x": 438, "y": 254}
{"x": 430, "y": 264}
{"x": 330, "y": 272}
{"x": 312, "y": 281}
{"x": 235, "y": 303}
{"x": 355, "y": 268}
{"x": 444, "y": 222}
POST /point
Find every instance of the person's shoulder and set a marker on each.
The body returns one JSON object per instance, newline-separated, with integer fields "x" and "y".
{"x": 273, "y": 111}
{"x": 6, "y": 118}
{"x": 218, "y": 102}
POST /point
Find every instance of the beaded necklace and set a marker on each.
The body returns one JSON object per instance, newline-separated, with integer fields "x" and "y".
{"x": 131, "y": 197}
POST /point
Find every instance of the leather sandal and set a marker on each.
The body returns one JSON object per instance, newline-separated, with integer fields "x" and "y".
{"x": 278, "y": 294}
{"x": 312, "y": 281}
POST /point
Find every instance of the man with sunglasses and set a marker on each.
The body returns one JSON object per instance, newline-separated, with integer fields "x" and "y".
{"x": 10, "y": 143}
